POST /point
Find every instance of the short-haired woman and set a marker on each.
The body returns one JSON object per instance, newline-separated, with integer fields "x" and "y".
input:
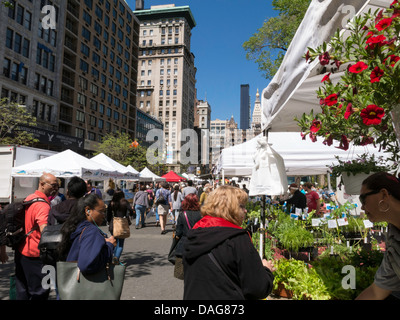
{"x": 219, "y": 258}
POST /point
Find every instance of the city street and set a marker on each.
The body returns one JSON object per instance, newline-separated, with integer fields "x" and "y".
{"x": 149, "y": 275}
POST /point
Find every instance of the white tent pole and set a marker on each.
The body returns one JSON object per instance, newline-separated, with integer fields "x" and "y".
{"x": 223, "y": 176}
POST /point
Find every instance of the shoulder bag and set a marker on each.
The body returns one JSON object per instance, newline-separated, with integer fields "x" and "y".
{"x": 121, "y": 228}
{"x": 105, "y": 284}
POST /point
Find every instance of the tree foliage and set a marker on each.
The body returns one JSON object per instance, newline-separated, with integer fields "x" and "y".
{"x": 268, "y": 46}
{"x": 119, "y": 148}
{"x": 13, "y": 115}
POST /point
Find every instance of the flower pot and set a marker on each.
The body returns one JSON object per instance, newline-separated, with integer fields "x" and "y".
{"x": 282, "y": 292}
{"x": 352, "y": 183}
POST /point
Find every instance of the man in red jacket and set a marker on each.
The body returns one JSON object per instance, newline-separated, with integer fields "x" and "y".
{"x": 28, "y": 266}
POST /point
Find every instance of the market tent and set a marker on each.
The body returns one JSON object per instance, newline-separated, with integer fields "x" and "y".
{"x": 301, "y": 157}
{"x": 107, "y": 161}
{"x": 64, "y": 165}
{"x": 132, "y": 169}
{"x": 292, "y": 91}
{"x": 173, "y": 177}
{"x": 147, "y": 175}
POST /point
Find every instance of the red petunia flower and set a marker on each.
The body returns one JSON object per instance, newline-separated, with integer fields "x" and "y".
{"x": 383, "y": 24}
{"x": 358, "y": 67}
{"x": 349, "y": 111}
{"x": 328, "y": 140}
{"x": 326, "y": 78}
{"x": 315, "y": 126}
{"x": 366, "y": 140}
{"x": 376, "y": 74}
{"x": 344, "y": 143}
{"x": 324, "y": 58}
{"x": 331, "y": 99}
{"x": 379, "y": 40}
{"x": 372, "y": 115}
{"x": 393, "y": 59}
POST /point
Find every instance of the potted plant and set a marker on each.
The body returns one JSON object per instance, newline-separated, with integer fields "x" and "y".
{"x": 361, "y": 107}
{"x": 353, "y": 172}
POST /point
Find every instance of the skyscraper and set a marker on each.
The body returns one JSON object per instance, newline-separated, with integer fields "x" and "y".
{"x": 166, "y": 71}
{"x": 245, "y": 106}
{"x": 76, "y": 76}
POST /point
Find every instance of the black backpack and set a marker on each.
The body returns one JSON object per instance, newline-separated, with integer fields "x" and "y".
{"x": 160, "y": 199}
{"x": 49, "y": 241}
{"x": 12, "y": 223}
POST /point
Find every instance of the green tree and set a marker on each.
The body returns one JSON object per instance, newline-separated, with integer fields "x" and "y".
{"x": 119, "y": 148}
{"x": 12, "y": 116}
{"x": 268, "y": 46}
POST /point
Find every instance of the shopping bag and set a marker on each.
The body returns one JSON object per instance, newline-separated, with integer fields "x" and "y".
{"x": 121, "y": 228}
{"x": 105, "y": 284}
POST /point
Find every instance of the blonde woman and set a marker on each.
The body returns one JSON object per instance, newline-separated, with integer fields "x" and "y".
{"x": 219, "y": 259}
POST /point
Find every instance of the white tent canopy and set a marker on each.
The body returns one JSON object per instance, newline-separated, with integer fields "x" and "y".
{"x": 107, "y": 161}
{"x": 64, "y": 165}
{"x": 147, "y": 175}
{"x": 301, "y": 157}
{"x": 132, "y": 169}
{"x": 292, "y": 91}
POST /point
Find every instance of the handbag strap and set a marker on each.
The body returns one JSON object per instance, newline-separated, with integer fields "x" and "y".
{"x": 187, "y": 220}
{"x": 212, "y": 257}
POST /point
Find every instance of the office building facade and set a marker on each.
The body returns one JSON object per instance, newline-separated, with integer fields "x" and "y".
{"x": 166, "y": 71}
{"x": 73, "y": 64}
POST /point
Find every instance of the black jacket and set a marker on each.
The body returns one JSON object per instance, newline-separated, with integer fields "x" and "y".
{"x": 182, "y": 228}
{"x": 237, "y": 256}
{"x": 298, "y": 200}
{"x": 60, "y": 212}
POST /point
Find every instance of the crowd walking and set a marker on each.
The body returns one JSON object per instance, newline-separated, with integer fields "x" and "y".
{"x": 214, "y": 256}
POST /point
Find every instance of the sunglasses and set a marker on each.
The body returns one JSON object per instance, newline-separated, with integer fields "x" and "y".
{"x": 363, "y": 196}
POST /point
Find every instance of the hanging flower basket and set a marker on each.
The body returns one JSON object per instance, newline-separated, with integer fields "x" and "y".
{"x": 352, "y": 183}
{"x": 362, "y": 107}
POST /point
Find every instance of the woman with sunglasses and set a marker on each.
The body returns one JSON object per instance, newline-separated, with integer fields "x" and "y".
{"x": 380, "y": 199}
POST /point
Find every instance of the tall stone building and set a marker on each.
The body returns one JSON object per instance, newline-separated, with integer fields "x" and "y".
{"x": 166, "y": 72}
{"x": 256, "y": 119}
{"x": 74, "y": 65}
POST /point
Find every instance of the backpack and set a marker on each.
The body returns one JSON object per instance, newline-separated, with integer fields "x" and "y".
{"x": 160, "y": 199}
{"x": 12, "y": 229}
{"x": 49, "y": 240}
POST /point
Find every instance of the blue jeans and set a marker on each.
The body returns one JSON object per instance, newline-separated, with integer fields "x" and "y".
{"x": 118, "y": 249}
{"x": 140, "y": 211}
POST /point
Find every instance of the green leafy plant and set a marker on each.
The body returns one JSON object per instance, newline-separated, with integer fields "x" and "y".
{"x": 301, "y": 279}
{"x": 357, "y": 108}
{"x": 365, "y": 163}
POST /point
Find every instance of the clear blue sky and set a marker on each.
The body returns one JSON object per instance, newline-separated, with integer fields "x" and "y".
{"x": 222, "y": 26}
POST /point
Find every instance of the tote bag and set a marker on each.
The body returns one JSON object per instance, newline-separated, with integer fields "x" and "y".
{"x": 105, "y": 284}
{"x": 121, "y": 228}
